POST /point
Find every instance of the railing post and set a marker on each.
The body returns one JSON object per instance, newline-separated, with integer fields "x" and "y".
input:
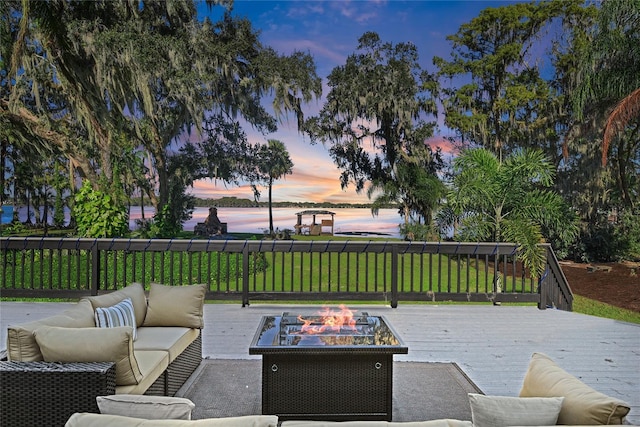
{"x": 95, "y": 267}
{"x": 542, "y": 286}
{"x": 245, "y": 275}
{"x": 394, "y": 276}
{"x": 542, "y": 290}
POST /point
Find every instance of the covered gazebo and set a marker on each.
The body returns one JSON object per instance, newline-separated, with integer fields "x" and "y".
{"x": 315, "y": 228}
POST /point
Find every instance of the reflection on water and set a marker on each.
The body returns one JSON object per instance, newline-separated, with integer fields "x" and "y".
{"x": 256, "y": 220}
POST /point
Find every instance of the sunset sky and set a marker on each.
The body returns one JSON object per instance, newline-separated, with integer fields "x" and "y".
{"x": 329, "y": 30}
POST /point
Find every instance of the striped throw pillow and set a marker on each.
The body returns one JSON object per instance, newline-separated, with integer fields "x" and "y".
{"x": 120, "y": 314}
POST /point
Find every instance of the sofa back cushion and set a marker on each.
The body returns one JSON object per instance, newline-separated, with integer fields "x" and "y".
{"x": 22, "y": 345}
{"x": 135, "y": 291}
{"x": 582, "y": 404}
{"x": 176, "y": 306}
{"x": 92, "y": 345}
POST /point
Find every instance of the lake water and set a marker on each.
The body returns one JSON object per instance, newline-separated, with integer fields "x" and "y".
{"x": 256, "y": 220}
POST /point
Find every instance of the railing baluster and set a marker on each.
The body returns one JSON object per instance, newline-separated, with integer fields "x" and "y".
{"x": 448, "y": 273}
{"x": 401, "y": 259}
{"x": 439, "y": 271}
{"x": 348, "y": 269}
{"x": 310, "y": 270}
{"x": 291, "y": 260}
{"x": 321, "y": 256}
{"x": 22, "y": 255}
{"x": 458, "y": 273}
{"x": 339, "y": 273}
{"x": 181, "y": 256}
{"x": 42, "y": 264}
{"x": 356, "y": 256}
{"x": 301, "y": 273}
{"x": 272, "y": 267}
{"x": 430, "y": 272}
{"x": 421, "y": 272}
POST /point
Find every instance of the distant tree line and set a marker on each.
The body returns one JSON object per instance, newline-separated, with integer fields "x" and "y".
{"x": 234, "y": 202}
{"x": 110, "y": 104}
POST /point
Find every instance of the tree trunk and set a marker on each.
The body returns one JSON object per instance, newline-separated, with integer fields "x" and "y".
{"x": 72, "y": 192}
{"x": 159, "y": 161}
{"x": 3, "y": 164}
{"x": 270, "y": 208}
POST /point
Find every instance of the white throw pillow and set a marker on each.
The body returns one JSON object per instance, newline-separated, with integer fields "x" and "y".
{"x": 147, "y": 407}
{"x": 120, "y": 314}
{"x": 503, "y": 411}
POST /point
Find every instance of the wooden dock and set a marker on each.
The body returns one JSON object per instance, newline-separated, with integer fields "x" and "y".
{"x": 492, "y": 344}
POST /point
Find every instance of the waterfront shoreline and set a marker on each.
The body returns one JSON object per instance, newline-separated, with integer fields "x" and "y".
{"x": 348, "y": 221}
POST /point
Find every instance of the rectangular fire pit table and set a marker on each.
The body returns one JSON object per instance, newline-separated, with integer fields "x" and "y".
{"x": 327, "y": 373}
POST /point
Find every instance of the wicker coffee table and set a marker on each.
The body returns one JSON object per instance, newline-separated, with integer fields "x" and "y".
{"x": 47, "y": 394}
{"x": 345, "y": 375}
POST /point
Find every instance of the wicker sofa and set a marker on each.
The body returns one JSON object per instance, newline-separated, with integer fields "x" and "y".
{"x": 63, "y": 362}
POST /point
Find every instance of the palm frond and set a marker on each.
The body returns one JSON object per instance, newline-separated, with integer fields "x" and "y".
{"x": 622, "y": 114}
{"x": 528, "y": 235}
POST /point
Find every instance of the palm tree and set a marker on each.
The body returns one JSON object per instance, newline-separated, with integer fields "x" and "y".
{"x": 508, "y": 201}
{"x": 273, "y": 163}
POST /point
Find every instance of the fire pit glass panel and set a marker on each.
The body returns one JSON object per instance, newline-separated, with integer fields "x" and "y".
{"x": 288, "y": 331}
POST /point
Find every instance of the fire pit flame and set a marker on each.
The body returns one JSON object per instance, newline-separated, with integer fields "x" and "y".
{"x": 330, "y": 321}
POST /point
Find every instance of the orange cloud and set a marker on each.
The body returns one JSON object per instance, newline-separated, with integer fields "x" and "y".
{"x": 447, "y": 147}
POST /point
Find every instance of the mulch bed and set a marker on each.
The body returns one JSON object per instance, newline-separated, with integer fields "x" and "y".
{"x": 617, "y": 284}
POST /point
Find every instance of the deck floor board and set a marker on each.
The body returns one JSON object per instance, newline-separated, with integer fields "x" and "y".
{"x": 492, "y": 344}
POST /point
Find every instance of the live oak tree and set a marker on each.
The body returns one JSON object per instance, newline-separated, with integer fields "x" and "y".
{"x": 374, "y": 120}
{"x": 150, "y": 69}
{"x": 579, "y": 177}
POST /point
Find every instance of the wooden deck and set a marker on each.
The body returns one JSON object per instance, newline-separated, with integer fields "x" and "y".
{"x": 492, "y": 344}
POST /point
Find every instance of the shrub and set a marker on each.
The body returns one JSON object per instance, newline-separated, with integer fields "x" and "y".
{"x": 607, "y": 241}
{"x": 417, "y": 232}
{"x": 98, "y": 214}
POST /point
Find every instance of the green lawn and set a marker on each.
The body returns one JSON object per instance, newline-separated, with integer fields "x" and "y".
{"x": 70, "y": 269}
{"x": 596, "y": 308}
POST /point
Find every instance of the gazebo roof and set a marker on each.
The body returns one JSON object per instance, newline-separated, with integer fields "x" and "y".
{"x": 315, "y": 212}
